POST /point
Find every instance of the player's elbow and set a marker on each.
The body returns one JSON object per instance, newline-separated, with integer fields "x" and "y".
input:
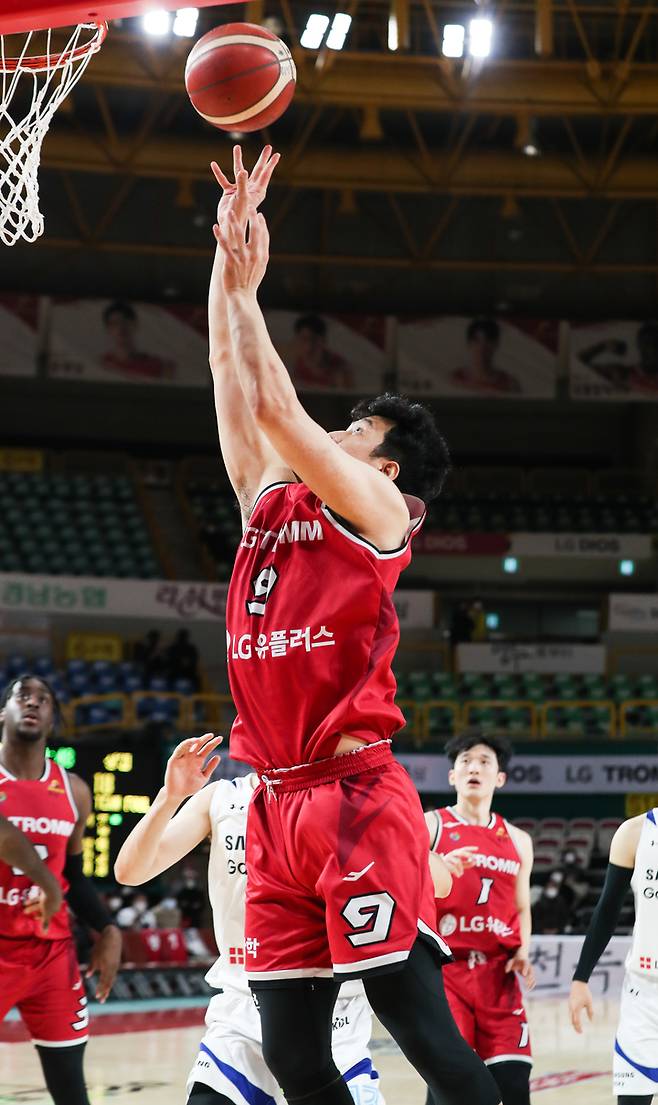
{"x": 123, "y": 873}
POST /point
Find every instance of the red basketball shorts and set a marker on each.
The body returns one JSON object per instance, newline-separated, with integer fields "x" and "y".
{"x": 487, "y": 1005}
{"x": 338, "y": 876}
{"x": 42, "y": 979}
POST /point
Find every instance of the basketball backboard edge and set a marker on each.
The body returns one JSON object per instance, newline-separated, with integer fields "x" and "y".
{"x": 17, "y": 16}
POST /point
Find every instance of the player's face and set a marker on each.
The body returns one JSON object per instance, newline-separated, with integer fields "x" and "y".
{"x": 476, "y": 773}
{"x": 29, "y": 713}
{"x": 362, "y": 437}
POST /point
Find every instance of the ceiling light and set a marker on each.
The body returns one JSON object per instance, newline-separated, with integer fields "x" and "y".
{"x": 453, "y": 40}
{"x": 393, "y": 41}
{"x": 185, "y": 22}
{"x": 314, "y": 31}
{"x": 480, "y": 32}
{"x": 157, "y": 22}
{"x": 340, "y": 26}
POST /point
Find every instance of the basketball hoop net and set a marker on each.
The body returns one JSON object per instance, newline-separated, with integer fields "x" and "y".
{"x": 32, "y": 88}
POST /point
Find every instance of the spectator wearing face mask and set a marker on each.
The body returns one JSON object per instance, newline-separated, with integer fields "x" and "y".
{"x": 551, "y": 913}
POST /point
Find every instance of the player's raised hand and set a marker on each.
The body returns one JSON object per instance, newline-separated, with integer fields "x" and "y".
{"x": 460, "y": 859}
{"x": 522, "y": 965}
{"x": 185, "y": 773}
{"x": 257, "y": 180}
{"x": 580, "y": 1000}
{"x": 245, "y": 243}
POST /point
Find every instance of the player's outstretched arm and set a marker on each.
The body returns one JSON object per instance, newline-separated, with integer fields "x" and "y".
{"x": 605, "y": 917}
{"x": 163, "y": 836}
{"x": 520, "y": 961}
{"x": 17, "y": 851}
{"x": 367, "y": 499}
{"x": 250, "y": 460}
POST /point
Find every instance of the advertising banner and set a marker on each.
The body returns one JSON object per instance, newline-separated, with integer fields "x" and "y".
{"x": 124, "y": 598}
{"x": 549, "y": 659}
{"x": 340, "y": 353}
{"x": 115, "y": 341}
{"x": 19, "y": 319}
{"x": 600, "y": 546}
{"x": 614, "y": 360}
{"x": 633, "y": 613}
{"x": 478, "y": 358}
{"x": 436, "y": 543}
{"x": 564, "y": 774}
{"x": 554, "y": 959}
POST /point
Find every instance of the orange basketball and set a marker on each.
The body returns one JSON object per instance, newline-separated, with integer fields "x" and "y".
{"x": 240, "y": 77}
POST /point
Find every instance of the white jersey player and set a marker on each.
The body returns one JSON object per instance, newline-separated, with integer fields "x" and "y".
{"x": 230, "y": 1067}
{"x": 633, "y": 862}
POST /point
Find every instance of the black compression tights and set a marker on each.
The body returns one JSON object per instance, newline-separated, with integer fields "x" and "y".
{"x": 512, "y": 1079}
{"x": 205, "y": 1095}
{"x": 410, "y": 1002}
{"x": 64, "y": 1075}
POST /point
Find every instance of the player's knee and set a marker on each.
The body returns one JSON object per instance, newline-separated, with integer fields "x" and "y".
{"x": 513, "y": 1081}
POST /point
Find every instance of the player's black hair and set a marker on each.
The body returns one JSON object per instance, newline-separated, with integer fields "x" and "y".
{"x": 314, "y": 323}
{"x": 488, "y": 327}
{"x": 22, "y": 678}
{"x": 414, "y": 442}
{"x": 119, "y": 307}
{"x": 468, "y": 738}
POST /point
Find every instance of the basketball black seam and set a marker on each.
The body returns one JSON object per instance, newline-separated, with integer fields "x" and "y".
{"x": 244, "y": 73}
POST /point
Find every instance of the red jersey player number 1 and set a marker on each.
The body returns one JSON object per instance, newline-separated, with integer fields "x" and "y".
{"x": 486, "y": 917}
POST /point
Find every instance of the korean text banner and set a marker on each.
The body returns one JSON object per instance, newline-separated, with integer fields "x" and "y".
{"x": 478, "y": 358}
{"x": 614, "y": 361}
{"x": 123, "y": 598}
{"x": 115, "y": 341}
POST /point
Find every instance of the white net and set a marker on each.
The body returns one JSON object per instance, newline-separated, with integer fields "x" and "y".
{"x": 32, "y": 89}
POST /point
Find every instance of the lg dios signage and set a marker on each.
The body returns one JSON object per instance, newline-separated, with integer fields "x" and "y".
{"x": 550, "y": 774}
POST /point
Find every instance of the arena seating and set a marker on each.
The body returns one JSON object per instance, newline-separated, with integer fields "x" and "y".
{"x": 477, "y": 500}
{"x": 72, "y": 523}
{"x": 571, "y": 706}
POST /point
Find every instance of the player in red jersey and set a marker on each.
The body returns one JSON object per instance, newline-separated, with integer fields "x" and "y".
{"x": 338, "y": 875}
{"x": 486, "y": 917}
{"x": 38, "y": 967}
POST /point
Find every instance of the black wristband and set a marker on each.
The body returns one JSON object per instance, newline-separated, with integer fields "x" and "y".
{"x": 82, "y": 896}
{"x": 604, "y": 920}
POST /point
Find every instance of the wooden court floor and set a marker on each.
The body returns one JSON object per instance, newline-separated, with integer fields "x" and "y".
{"x": 150, "y": 1067}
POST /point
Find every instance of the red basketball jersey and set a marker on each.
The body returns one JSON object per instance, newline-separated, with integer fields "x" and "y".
{"x": 43, "y": 809}
{"x": 480, "y": 913}
{"x": 311, "y": 631}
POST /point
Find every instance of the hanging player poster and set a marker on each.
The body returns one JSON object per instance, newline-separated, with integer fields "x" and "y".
{"x": 19, "y": 318}
{"x": 338, "y": 353}
{"x": 478, "y": 358}
{"x": 614, "y": 360}
{"x": 120, "y": 342}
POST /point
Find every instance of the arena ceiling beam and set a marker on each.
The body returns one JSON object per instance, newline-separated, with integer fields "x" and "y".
{"x": 424, "y": 264}
{"x": 365, "y": 169}
{"x": 413, "y": 83}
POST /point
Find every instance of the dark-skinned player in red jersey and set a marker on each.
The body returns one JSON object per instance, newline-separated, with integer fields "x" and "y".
{"x": 38, "y": 965}
{"x": 338, "y": 877}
